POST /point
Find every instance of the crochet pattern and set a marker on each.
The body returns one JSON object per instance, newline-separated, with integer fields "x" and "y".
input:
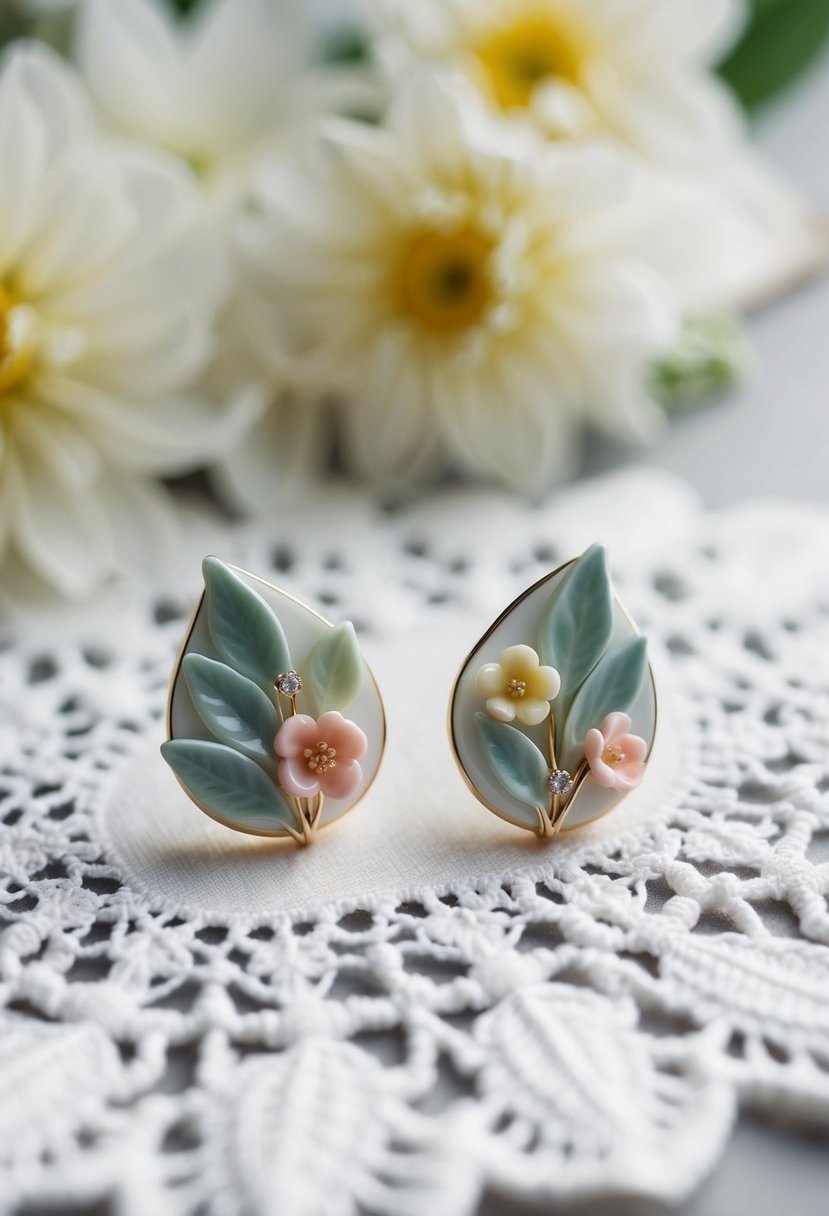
{"x": 582, "y": 1019}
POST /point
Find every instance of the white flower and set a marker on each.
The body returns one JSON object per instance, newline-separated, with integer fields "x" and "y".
{"x": 468, "y": 285}
{"x": 216, "y": 89}
{"x": 106, "y": 296}
{"x": 631, "y": 69}
{"x": 517, "y": 686}
{"x": 283, "y": 444}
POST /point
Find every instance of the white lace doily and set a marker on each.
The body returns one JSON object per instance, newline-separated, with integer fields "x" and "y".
{"x": 425, "y": 1006}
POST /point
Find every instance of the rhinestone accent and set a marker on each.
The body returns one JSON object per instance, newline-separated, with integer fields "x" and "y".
{"x": 559, "y": 781}
{"x": 289, "y": 684}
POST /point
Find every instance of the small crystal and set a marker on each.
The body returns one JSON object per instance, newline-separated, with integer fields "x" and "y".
{"x": 289, "y": 684}
{"x": 559, "y": 781}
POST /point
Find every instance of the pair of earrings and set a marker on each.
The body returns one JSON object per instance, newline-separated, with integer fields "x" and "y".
{"x": 541, "y": 718}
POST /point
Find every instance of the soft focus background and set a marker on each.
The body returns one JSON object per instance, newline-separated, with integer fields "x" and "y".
{"x": 268, "y": 243}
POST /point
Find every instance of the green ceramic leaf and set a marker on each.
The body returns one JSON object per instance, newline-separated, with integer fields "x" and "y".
{"x": 614, "y": 683}
{"x": 228, "y": 784}
{"x": 233, "y": 708}
{"x": 243, "y": 628}
{"x": 333, "y": 673}
{"x": 577, "y": 625}
{"x": 514, "y": 759}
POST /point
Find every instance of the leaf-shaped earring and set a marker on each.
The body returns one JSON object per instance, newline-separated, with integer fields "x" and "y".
{"x": 257, "y": 732}
{"x": 553, "y": 714}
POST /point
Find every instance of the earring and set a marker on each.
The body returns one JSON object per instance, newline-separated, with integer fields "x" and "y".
{"x": 258, "y": 740}
{"x": 553, "y": 714}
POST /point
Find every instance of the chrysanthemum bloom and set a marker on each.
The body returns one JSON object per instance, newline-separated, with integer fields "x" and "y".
{"x": 216, "y": 88}
{"x": 636, "y": 71}
{"x": 470, "y": 288}
{"x": 105, "y": 312}
{"x": 517, "y": 686}
{"x": 320, "y": 756}
{"x": 616, "y": 757}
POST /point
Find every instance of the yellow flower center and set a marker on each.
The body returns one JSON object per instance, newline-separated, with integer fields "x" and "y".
{"x": 612, "y": 755}
{"x": 445, "y": 280}
{"x": 519, "y": 57}
{"x": 517, "y": 688}
{"x": 17, "y": 347}
{"x": 320, "y": 758}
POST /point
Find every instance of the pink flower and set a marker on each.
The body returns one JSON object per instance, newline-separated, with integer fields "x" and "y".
{"x": 320, "y": 756}
{"x": 616, "y": 758}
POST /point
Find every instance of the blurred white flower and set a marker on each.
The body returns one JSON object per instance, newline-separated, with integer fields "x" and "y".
{"x": 631, "y": 69}
{"x": 283, "y": 446}
{"x": 217, "y": 88}
{"x": 107, "y": 288}
{"x": 467, "y": 283}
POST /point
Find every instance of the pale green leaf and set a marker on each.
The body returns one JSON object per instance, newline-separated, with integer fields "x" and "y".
{"x": 243, "y": 628}
{"x": 334, "y": 672}
{"x": 614, "y": 684}
{"x": 576, "y": 627}
{"x": 232, "y": 707}
{"x": 514, "y": 759}
{"x": 229, "y": 785}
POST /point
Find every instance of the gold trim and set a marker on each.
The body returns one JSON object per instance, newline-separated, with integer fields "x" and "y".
{"x": 501, "y": 814}
{"x": 282, "y": 834}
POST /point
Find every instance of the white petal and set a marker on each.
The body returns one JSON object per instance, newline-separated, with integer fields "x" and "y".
{"x": 274, "y": 460}
{"x": 501, "y": 708}
{"x": 531, "y": 712}
{"x": 489, "y": 681}
{"x": 57, "y": 93}
{"x": 62, "y": 534}
{"x": 84, "y": 220}
{"x": 128, "y": 52}
{"x": 242, "y": 92}
{"x": 23, "y": 157}
{"x": 146, "y": 534}
{"x": 159, "y": 435}
{"x": 508, "y": 423}
{"x": 389, "y": 433}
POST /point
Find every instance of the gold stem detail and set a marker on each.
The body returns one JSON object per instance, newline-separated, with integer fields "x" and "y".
{"x": 551, "y": 735}
{"x": 307, "y": 817}
{"x": 579, "y": 779}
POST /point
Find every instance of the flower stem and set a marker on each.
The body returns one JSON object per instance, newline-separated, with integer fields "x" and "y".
{"x": 579, "y": 779}
{"x": 307, "y": 818}
{"x": 551, "y": 735}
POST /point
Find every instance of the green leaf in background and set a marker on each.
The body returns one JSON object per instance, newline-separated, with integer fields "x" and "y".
{"x": 614, "y": 683}
{"x": 783, "y": 38}
{"x": 333, "y": 673}
{"x": 233, "y": 708}
{"x": 515, "y": 760}
{"x": 576, "y": 627}
{"x": 231, "y": 785}
{"x": 243, "y": 627}
{"x": 348, "y": 44}
{"x": 708, "y": 358}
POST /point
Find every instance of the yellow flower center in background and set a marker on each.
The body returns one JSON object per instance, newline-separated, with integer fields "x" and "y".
{"x": 520, "y": 57}
{"x": 445, "y": 279}
{"x": 16, "y": 346}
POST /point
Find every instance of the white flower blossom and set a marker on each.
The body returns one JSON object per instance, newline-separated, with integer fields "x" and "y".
{"x": 218, "y": 88}
{"x": 634, "y": 71}
{"x": 107, "y": 290}
{"x": 468, "y": 287}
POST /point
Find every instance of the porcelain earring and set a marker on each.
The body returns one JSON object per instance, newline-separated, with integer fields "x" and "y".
{"x": 257, "y": 732}
{"x": 553, "y": 714}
